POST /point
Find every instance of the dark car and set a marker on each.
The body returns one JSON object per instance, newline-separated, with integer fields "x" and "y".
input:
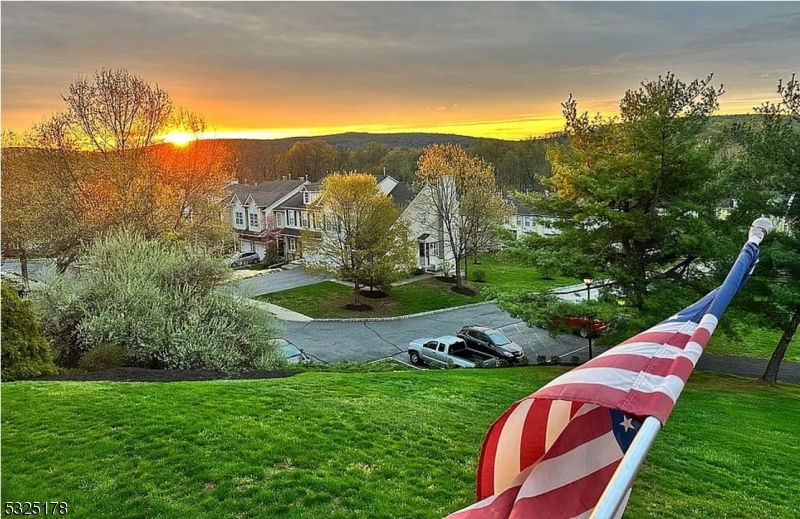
{"x": 243, "y": 258}
{"x": 491, "y": 341}
{"x": 292, "y": 353}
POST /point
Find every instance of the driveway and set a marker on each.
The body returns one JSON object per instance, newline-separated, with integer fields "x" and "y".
{"x": 367, "y": 341}
{"x": 274, "y": 282}
{"x": 35, "y": 267}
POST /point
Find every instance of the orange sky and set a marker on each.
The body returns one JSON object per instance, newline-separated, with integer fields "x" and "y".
{"x": 271, "y": 70}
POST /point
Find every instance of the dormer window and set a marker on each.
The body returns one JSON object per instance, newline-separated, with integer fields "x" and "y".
{"x": 306, "y": 197}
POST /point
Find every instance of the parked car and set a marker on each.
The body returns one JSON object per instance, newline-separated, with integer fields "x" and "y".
{"x": 580, "y": 326}
{"x": 243, "y": 258}
{"x": 292, "y": 353}
{"x": 491, "y": 341}
{"x": 446, "y": 348}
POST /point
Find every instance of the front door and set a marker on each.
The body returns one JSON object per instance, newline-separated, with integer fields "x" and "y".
{"x": 423, "y": 258}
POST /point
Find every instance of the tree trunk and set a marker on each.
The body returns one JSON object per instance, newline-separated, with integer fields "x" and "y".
{"x": 458, "y": 274}
{"x": 466, "y": 267}
{"x": 357, "y": 292}
{"x": 770, "y": 376}
{"x": 23, "y": 264}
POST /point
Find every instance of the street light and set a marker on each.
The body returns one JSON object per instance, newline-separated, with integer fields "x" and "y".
{"x": 588, "y": 282}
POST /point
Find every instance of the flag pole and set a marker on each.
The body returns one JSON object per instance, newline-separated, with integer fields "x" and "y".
{"x": 616, "y": 490}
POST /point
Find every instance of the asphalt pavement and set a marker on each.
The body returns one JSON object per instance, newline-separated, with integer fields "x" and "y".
{"x": 274, "y": 282}
{"x": 367, "y": 341}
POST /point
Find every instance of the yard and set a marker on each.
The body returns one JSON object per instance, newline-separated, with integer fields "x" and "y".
{"x": 371, "y": 445}
{"x": 328, "y": 299}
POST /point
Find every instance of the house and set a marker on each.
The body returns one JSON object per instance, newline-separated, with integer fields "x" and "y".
{"x": 253, "y": 210}
{"x": 274, "y": 213}
{"x": 426, "y": 227}
{"x": 525, "y": 221}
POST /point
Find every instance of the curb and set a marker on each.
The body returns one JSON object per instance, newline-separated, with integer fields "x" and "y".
{"x": 399, "y": 317}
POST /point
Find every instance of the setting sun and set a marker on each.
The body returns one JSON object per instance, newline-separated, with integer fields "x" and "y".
{"x": 179, "y": 138}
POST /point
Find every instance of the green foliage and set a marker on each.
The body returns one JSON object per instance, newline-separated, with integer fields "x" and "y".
{"x": 479, "y": 276}
{"x": 25, "y": 353}
{"x": 541, "y": 359}
{"x": 635, "y": 194}
{"x": 381, "y": 366}
{"x": 103, "y": 356}
{"x": 555, "y": 359}
{"x": 158, "y": 301}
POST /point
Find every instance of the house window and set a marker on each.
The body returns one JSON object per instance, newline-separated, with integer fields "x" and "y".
{"x": 519, "y": 221}
{"x": 306, "y": 197}
{"x": 528, "y": 222}
{"x": 304, "y": 216}
{"x": 279, "y": 219}
{"x": 239, "y": 218}
{"x": 433, "y": 250}
{"x": 253, "y": 219}
{"x": 292, "y": 244}
{"x": 292, "y": 221}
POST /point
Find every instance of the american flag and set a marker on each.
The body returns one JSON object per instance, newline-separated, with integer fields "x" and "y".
{"x": 552, "y": 454}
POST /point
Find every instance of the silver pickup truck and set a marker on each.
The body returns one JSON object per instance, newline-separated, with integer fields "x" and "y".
{"x": 446, "y": 348}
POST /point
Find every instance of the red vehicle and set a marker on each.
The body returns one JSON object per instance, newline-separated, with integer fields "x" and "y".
{"x": 580, "y": 326}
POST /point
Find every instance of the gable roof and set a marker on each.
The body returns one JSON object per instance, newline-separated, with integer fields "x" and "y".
{"x": 402, "y": 194}
{"x": 266, "y": 193}
{"x": 295, "y": 202}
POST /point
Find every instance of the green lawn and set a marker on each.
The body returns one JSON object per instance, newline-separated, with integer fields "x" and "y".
{"x": 327, "y": 299}
{"x": 752, "y": 342}
{"x": 373, "y": 445}
{"x": 509, "y": 276}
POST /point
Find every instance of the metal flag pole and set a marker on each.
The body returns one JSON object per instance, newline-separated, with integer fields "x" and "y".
{"x": 621, "y": 481}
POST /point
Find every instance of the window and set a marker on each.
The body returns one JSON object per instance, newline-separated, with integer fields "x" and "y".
{"x": 304, "y": 219}
{"x": 329, "y": 224}
{"x": 279, "y": 219}
{"x": 306, "y": 197}
{"x": 292, "y": 221}
{"x": 430, "y": 345}
{"x": 519, "y": 221}
{"x": 528, "y": 222}
{"x": 441, "y": 347}
{"x": 239, "y": 218}
{"x": 292, "y": 244}
{"x": 253, "y": 219}
{"x": 433, "y": 250}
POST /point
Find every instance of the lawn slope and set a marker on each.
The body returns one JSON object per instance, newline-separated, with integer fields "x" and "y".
{"x": 375, "y": 445}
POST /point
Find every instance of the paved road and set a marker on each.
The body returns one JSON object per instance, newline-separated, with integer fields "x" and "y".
{"x": 275, "y": 282}
{"x": 366, "y": 341}
{"x": 34, "y": 266}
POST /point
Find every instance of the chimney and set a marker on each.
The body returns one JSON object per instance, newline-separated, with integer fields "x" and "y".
{"x": 283, "y": 177}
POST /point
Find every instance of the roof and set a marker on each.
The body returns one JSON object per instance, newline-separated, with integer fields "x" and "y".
{"x": 314, "y": 186}
{"x": 402, "y": 194}
{"x": 522, "y": 210}
{"x": 477, "y": 327}
{"x": 288, "y": 231}
{"x": 265, "y": 193}
{"x": 295, "y": 201}
{"x": 448, "y": 339}
{"x": 380, "y": 178}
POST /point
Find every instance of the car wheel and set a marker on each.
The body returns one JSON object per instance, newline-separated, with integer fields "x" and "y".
{"x": 414, "y": 357}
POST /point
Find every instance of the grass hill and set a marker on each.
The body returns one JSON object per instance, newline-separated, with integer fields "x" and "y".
{"x": 363, "y": 445}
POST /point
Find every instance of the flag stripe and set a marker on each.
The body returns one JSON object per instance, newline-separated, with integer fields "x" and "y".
{"x": 507, "y": 467}
{"x": 680, "y": 366}
{"x": 485, "y": 476}
{"x": 678, "y": 340}
{"x": 537, "y": 428}
{"x": 570, "y": 500}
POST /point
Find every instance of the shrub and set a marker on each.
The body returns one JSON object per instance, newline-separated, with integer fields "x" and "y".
{"x": 158, "y": 301}
{"x": 555, "y": 359}
{"x": 25, "y": 353}
{"x": 523, "y": 361}
{"x": 479, "y": 276}
{"x": 575, "y": 359}
{"x": 103, "y": 356}
{"x": 541, "y": 359}
{"x": 450, "y": 364}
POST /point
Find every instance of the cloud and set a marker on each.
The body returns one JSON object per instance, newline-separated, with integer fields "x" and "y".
{"x": 266, "y": 62}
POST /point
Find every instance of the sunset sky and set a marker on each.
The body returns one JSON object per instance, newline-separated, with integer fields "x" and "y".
{"x": 266, "y": 70}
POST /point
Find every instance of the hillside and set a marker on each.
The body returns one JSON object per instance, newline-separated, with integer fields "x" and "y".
{"x": 371, "y": 445}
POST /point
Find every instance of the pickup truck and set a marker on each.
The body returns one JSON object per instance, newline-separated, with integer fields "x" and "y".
{"x": 447, "y": 347}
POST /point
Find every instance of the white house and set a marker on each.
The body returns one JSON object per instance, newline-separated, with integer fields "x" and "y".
{"x": 426, "y": 227}
{"x": 525, "y": 221}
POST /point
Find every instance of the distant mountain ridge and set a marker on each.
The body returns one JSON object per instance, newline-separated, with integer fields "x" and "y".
{"x": 355, "y": 140}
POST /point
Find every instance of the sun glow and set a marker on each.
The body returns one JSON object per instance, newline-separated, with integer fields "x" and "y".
{"x": 179, "y": 138}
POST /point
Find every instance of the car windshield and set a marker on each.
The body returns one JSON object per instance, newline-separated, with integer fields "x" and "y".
{"x": 290, "y": 350}
{"x": 498, "y": 338}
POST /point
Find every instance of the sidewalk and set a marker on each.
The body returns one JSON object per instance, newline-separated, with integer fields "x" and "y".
{"x": 396, "y": 284}
{"x": 284, "y": 314}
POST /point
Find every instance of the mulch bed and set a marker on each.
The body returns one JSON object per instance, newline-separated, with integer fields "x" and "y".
{"x": 373, "y": 294}
{"x": 162, "y": 375}
{"x": 358, "y": 308}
